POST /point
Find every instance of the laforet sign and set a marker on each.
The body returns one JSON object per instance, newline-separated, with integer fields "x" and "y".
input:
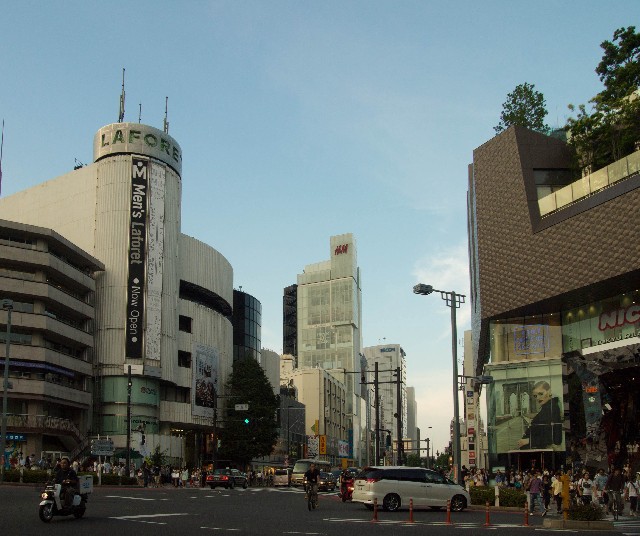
{"x": 135, "y": 138}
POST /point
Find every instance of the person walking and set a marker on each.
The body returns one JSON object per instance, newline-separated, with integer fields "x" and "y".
{"x": 535, "y": 494}
{"x": 585, "y": 488}
{"x": 632, "y": 488}
{"x": 556, "y": 487}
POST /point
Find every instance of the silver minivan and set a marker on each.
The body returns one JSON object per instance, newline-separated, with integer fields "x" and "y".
{"x": 394, "y": 486}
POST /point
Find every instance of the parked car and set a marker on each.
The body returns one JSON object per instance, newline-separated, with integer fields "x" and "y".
{"x": 326, "y": 482}
{"x": 394, "y": 486}
{"x": 282, "y": 477}
{"x": 229, "y": 478}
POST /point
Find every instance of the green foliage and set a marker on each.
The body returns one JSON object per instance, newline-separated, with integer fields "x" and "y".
{"x": 525, "y": 107}
{"x": 157, "y": 458}
{"x": 619, "y": 69}
{"x": 482, "y": 494}
{"x": 585, "y": 512}
{"x": 243, "y": 442}
{"x": 512, "y": 497}
{"x": 413, "y": 460}
{"x": 109, "y": 479}
{"x": 610, "y": 130}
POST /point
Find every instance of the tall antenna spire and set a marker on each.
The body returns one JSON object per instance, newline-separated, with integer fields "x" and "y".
{"x": 140, "y": 114}
{"x": 166, "y": 123}
{"x": 121, "y": 116}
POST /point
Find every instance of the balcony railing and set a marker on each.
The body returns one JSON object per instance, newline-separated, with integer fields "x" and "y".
{"x": 590, "y": 184}
{"x": 43, "y": 424}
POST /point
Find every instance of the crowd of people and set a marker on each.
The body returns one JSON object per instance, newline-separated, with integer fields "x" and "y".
{"x": 544, "y": 487}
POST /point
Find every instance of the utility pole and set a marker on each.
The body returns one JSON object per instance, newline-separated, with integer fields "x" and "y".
{"x": 129, "y": 421}
{"x": 399, "y": 418}
{"x": 376, "y": 402}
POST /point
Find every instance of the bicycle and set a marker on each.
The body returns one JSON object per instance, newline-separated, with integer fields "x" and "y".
{"x": 616, "y": 503}
{"x": 312, "y": 496}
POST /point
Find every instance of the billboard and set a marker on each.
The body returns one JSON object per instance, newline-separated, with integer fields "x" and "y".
{"x": 525, "y": 407}
{"x": 205, "y": 376}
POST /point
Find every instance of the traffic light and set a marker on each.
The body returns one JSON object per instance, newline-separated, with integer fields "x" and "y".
{"x": 246, "y": 420}
{"x": 142, "y": 439}
{"x": 388, "y": 440}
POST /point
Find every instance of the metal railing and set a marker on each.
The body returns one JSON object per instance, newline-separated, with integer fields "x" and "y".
{"x": 590, "y": 184}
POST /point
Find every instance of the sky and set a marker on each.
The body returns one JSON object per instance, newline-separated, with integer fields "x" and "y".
{"x": 299, "y": 120}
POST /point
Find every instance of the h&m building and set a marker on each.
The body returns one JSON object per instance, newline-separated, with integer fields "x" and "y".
{"x": 555, "y": 279}
{"x": 163, "y": 300}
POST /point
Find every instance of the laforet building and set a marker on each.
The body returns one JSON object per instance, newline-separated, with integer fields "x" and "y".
{"x": 106, "y": 285}
{"x": 555, "y": 279}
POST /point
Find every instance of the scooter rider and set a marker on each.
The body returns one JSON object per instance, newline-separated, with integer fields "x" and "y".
{"x": 68, "y": 479}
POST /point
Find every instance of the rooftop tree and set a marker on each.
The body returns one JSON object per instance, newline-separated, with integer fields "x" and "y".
{"x": 525, "y": 107}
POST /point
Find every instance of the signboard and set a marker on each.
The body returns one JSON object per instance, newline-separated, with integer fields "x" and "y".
{"x": 322, "y": 444}
{"x": 136, "y": 259}
{"x": 242, "y": 407}
{"x": 102, "y": 447}
{"x": 312, "y": 446}
{"x": 14, "y": 437}
{"x": 205, "y": 377}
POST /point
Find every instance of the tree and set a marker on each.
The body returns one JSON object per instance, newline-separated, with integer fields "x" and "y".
{"x": 157, "y": 458}
{"x": 525, "y": 107}
{"x": 619, "y": 69}
{"x": 253, "y": 433}
{"x": 413, "y": 460}
{"x": 611, "y": 130}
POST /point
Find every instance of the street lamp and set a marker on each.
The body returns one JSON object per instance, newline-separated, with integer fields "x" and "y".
{"x": 453, "y": 300}
{"x": 7, "y": 305}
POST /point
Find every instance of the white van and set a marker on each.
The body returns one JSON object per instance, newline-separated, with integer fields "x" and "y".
{"x": 282, "y": 477}
{"x": 394, "y": 486}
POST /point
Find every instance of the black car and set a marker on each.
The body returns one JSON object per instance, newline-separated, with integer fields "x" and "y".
{"x": 229, "y": 478}
{"x": 326, "y": 482}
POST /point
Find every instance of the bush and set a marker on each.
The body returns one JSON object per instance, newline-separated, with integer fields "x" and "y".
{"x": 512, "y": 497}
{"x": 114, "y": 480}
{"x": 585, "y": 512}
{"x": 34, "y": 477}
{"x": 482, "y": 494}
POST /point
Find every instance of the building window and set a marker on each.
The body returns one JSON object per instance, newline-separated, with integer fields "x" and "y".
{"x": 184, "y": 359}
{"x": 184, "y": 323}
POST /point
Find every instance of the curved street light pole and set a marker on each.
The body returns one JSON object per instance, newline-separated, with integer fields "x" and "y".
{"x": 453, "y": 300}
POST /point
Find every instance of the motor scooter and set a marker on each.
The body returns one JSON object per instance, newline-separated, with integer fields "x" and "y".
{"x": 51, "y": 504}
{"x": 346, "y": 488}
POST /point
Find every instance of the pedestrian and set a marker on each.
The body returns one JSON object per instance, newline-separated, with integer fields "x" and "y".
{"x": 632, "y": 489}
{"x": 184, "y": 477}
{"x": 585, "y": 488}
{"x": 535, "y": 494}
{"x": 556, "y": 487}
{"x": 546, "y": 492}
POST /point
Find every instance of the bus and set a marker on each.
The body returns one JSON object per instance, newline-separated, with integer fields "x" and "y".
{"x": 302, "y": 466}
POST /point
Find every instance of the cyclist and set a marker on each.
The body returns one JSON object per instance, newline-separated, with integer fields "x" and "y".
{"x": 616, "y": 485}
{"x": 311, "y": 478}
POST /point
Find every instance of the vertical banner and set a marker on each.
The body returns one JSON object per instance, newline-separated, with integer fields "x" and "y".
{"x": 155, "y": 256}
{"x": 205, "y": 376}
{"x": 136, "y": 258}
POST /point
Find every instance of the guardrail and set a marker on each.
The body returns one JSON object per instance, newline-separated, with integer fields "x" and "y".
{"x": 590, "y": 184}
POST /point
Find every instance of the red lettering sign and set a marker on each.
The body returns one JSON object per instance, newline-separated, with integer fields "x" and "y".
{"x": 614, "y": 319}
{"x": 341, "y": 249}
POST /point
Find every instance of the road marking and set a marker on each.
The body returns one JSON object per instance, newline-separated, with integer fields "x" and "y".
{"x": 218, "y": 528}
{"x": 130, "y": 498}
{"x": 144, "y": 518}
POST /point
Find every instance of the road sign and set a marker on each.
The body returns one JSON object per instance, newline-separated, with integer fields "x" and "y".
{"x": 242, "y": 407}
{"x": 102, "y": 447}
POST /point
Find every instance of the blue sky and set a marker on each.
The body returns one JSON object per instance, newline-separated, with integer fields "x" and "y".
{"x": 299, "y": 120}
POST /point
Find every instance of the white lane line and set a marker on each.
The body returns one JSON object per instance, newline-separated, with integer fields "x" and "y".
{"x": 151, "y": 515}
{"x": 129, "y": 498}
{"x": 218, "y": 528}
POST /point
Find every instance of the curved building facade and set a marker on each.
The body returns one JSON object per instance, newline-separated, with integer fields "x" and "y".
{"x": 164, "y": 300}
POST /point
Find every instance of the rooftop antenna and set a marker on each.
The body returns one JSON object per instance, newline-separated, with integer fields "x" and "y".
{"x": 140, "y": 114}
{"x": 121, "y": 116}
{"x": 166, "y": 123}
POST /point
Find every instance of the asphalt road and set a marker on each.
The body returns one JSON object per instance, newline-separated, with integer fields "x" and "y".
{"x": 117, "y": 511}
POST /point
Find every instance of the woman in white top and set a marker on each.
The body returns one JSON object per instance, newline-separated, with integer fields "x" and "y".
{"x": 585, "y": 488}
{"x": 631, "y": 489}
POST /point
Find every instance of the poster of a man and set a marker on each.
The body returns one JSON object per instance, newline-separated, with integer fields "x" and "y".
{"x": 545, "y": 429}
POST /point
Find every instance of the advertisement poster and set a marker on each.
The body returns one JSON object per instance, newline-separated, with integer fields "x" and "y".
{"x": 205, "y": 376}
{"x": 525, "y": 408}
